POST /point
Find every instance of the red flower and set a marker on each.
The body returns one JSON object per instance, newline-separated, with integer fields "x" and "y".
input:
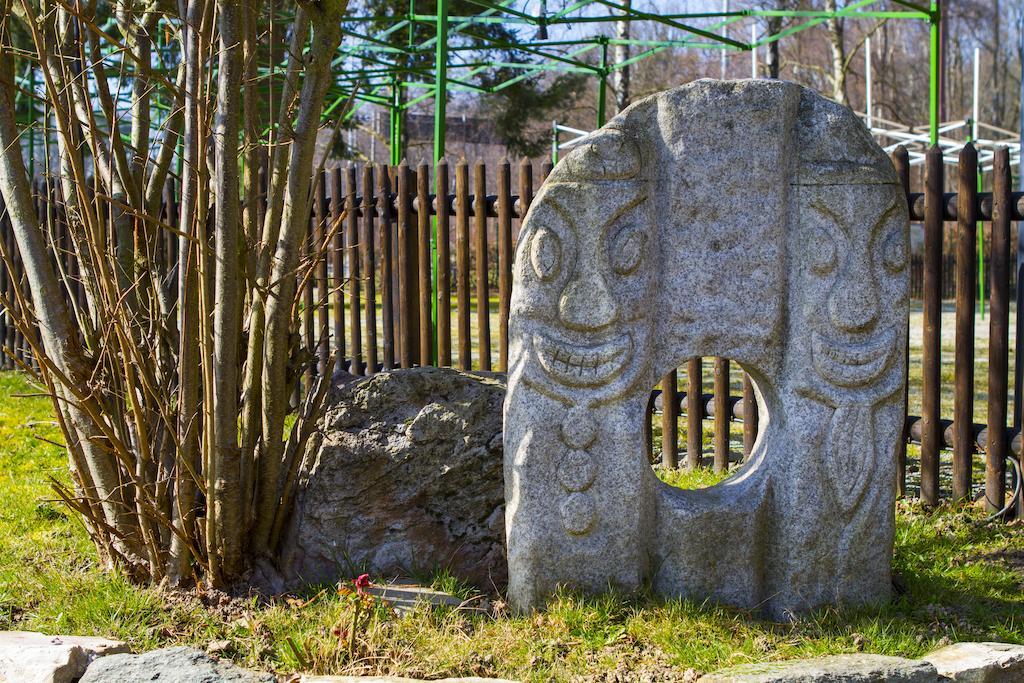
{"x": 362, "y": 581}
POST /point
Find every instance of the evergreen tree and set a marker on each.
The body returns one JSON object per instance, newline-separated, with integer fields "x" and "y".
{"x": 515, "y": 109}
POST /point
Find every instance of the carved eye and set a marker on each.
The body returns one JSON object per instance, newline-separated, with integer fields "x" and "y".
{"x": 546, "y": 254}
{"x": 627, "y": 249}
{"x": 894, "y": 251}
{"x": 822, "y": 252}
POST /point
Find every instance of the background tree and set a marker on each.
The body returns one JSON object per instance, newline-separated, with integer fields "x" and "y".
{"x": 515, "y": 109}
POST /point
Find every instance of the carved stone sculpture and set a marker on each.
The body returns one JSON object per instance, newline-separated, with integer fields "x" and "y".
{"x": 753, "y": 220}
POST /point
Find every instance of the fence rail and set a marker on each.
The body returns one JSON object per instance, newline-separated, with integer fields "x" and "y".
{"x": 374, "y": 298}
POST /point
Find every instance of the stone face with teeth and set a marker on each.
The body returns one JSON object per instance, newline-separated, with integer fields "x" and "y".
{"x": 579, "y": 366}
{"x": 752, "y": 220}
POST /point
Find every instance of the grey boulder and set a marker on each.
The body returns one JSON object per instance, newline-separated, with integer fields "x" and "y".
{"x": 170, "y": 665}
{"x": 859, "y": 668}
{"x": 403, "y": 478}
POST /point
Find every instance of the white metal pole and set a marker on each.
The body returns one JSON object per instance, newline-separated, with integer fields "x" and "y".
{"x": 867, "y": 78}
{"x": 977, "y": 67}
{"x": 725, "y": 33}
{"x": 753, "y": 51}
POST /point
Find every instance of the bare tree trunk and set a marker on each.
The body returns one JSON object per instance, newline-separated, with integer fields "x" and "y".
{"x": 325, "y": 18}
{"x": 774, "y": 26}
{"x": 253, "y": 425}
{"x": 225, "y": 465}
{"x": 188, "y": 296}
{"x": 59, "y": 338}
{"x": 621, "y": 81}
{"x": 836, "y": 35}
{"x": 253, "y": 201}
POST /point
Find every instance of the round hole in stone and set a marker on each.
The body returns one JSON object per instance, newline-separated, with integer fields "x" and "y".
{"x": 707, "y": 459}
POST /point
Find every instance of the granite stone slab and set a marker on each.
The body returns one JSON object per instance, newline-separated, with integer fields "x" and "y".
{"x": 753, "y": 220}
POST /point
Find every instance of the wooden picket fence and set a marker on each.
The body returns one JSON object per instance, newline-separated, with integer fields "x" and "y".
{"x": 374, "y": 300}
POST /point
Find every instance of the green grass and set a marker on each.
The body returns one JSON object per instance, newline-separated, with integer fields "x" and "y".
{"x": 964, "y": 579}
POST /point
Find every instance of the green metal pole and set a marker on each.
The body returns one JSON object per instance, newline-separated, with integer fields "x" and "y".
{"x": 602, "y": 85}
{"x": 934, "y": 18}
{"x": 440, "y": 79}
{"x": 440, "y": 113}
{"x": 554, "y": 142}
{"x": 396, "y": 122}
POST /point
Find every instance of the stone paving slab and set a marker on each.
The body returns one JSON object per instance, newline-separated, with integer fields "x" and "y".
{"x": 980, "y": 662}
{"x": 29, "y": 657}
{"x": 404, "y": 597}
{"x": 859, "y": 668}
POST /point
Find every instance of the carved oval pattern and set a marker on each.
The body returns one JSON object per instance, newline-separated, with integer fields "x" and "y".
{"x": 822, "y": 252}
{"x": 894, "y": 251}
{"x": 579, "y": 429}
{"x": 577, "y": 471}
{"x": 578, "y": 514}
{"x": 546, "y": 254}
{"x": 627, "y": 249}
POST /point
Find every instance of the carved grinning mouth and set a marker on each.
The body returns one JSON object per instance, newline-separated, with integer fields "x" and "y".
{"x": 579, "y": 365}
{"x": 853, "y": 364}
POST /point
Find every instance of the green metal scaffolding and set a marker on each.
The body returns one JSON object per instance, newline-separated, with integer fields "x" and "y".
{"x": 374, "y": 68}
{"x": 385, "y": 73}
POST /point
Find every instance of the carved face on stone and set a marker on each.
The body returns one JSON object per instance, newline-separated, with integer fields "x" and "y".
{"x": 585, "y": 261}
{"x": 854, "y": 270}
{"x": 752, "y": 220}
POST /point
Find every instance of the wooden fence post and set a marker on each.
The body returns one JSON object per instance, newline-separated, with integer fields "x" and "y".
{"x": 406, "y": 269}
{"x": 387, "y": 272}
{"x": 669, "y": 421}
{"x": 369, "y": 269}
{"x": 338, "y": 266}
{"x": 721, "y": 414}
{"x": 931, "y": 356}
{"x": 352, "y": 257}
{"x": 694, "y": 412}
{"x": 423, "y": 266}
{"x": 966, "y": 264}
{"x": 462, "y": 262}
{"x": 999, "y": 334}
{"x": 322, "y": 253}
{"x": 504, "y": 259}
{"x": 444, "y": 266}
{"x": 483, "y": 313}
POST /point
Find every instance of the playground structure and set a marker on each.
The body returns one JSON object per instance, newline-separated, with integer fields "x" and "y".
{"x": 373, "y": 68}
{"x": 377, "y": 72}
